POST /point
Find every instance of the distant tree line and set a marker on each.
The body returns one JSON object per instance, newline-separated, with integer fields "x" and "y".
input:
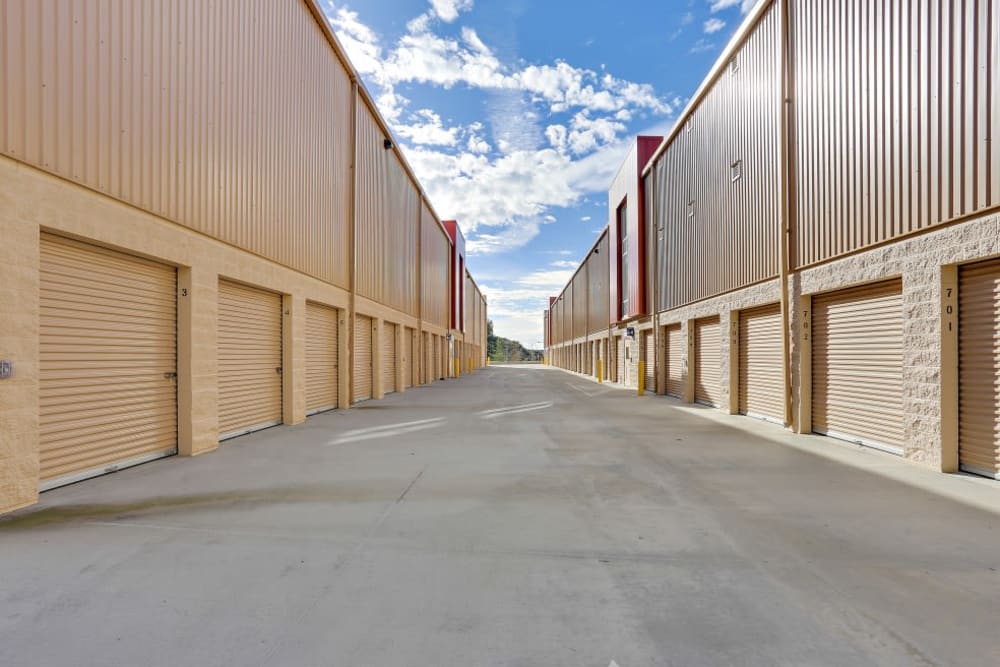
{"x": 504, "y": 349}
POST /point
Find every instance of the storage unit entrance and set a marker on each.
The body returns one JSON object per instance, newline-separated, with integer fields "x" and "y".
{"x": 708, "y": 361}
{"x": 108, "y": 366}
{"x": 249, "y": 359}
{"x": 674, "y": 347}
{"x": 761, "y": 381}
{"x": 979, "y": 369}
{"x": 362, "y": 358}
{"x": 388, "y": 358}
{"x": 857, "y": 365}
{"x": 322, "y": 364}
{"x": 649, "y": 359}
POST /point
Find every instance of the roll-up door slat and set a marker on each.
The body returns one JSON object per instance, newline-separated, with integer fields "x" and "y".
{"x": 675, "y": 361}
{"x": 408, "y": 357}
{"x": 388, "y": 358}
{"x": 620, "y": 359}
{"x": 857, "y": 341}
{"x": 708, "y": 361}
{"x": 108, "y": 360}
{"x": 249, "y": 341}
{"x": 650, "y": 360}
{"x": 979, "y": 369}
{"x": 322, "y": 361}
{"x": 761, "y": 381}
{"x": 362, "y": 358}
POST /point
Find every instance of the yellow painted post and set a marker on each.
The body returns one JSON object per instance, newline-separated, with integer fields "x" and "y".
{"x": 642, "y": 378}
{"x": 470, "y": 364}
{"x": 458, "y": 367}
{"x": 600, "y": 371}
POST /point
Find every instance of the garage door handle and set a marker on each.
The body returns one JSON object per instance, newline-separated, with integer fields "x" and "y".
{"x": 278, "y": 370}
{"x": 170, "y": 376}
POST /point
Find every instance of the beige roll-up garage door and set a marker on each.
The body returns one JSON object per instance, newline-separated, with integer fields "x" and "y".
{"x": 362, "y": 358}
{"x": 649, "y": 357}
{"x": 674, "y": 346}
{"x": 108, "y": 346}
{"x": 761, "y": 383}
{"x": 249, "y": 359}
{"x": 857, "y": 365}
{"x": 427, "y": 372}
{"x": 619, "y": 359}
{"x": 409, "y": 358}
{"x": 438, "y": 366}
{"x": 322, "y": 367}
{"x": 388, "y": 358}
{"x": 979, "y": 369}
{"x": 708, "y": 361}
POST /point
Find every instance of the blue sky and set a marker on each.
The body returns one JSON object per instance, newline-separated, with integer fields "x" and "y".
{"x": 516, "y": 114}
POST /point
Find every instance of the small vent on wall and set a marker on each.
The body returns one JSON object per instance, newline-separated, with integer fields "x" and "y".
{"x": 691, "y": 209}
{"x": 689, "y": 124}
{"x": 736, "y": 170}
{"x": 734, "y": 65}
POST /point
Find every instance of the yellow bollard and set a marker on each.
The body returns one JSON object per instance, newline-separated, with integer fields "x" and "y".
{"x": 642, "y": 378}
{"x": 470, "y": 365}
{"x": 600, "y": 371}
{"x": 458, "y": 367}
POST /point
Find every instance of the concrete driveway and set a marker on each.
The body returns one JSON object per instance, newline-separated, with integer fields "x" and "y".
{"x": 435, "y": 528}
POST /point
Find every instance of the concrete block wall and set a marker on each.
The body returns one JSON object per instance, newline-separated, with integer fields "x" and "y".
{"x": 922, "y": 262}
{"x": 761, "y": 294}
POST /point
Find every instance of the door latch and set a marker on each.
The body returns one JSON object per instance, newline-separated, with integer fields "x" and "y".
{"x": 278, "y": 370}
{"x": 170, "y": 376}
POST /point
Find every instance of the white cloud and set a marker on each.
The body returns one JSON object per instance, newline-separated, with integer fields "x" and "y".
{"x": 586, "y": 218}
{"x": 428, "y": 130}
{"x": 719, "y": 5}
{"x": 564, "y": 264}
{"x": 447, "y": 10}
{"x": 701, "y": 46}
{"x": 714, "y": 25}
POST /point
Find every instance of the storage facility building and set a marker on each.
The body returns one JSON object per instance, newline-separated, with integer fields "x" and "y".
{"x": 822, "y": 233}
{"x": 207, "y": 229}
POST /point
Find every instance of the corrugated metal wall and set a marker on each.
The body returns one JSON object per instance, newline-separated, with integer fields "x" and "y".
{"x": 387, "y": 210}
{"x": 581, "y": 292}
{"x": 435, "y": 251}
{"x": 897, "y": 137}
{"x": 718, "y": 233}
{"x": 183, "y": 108}
{"x": 599, "y": 278}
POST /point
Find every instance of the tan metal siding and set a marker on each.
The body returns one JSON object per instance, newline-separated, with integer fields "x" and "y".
{"x": 599, "y": 275}
{"x": 761, "y": 382}
{"x": 649, "y": 357}
{"x": 979, "y": 369}
{"x": 435, "y": 257}
{"x": 249, "y": 359}
{"x": 362, "y": 358}
{"x": 731, "y": 240}
{"x": 857, "y": 365}
{"x": 674, "y": 347}
{"x": 388, "y": 210}
{"x": 322, "y": 363}
{"x": 708, "y": 361}
{"x": 108, "y": 348}
{"x": 388, "y": 358}
{"x": 581, "y": 292}
{"x": 898, "y": 137}
{"x": 185, "y": 108}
